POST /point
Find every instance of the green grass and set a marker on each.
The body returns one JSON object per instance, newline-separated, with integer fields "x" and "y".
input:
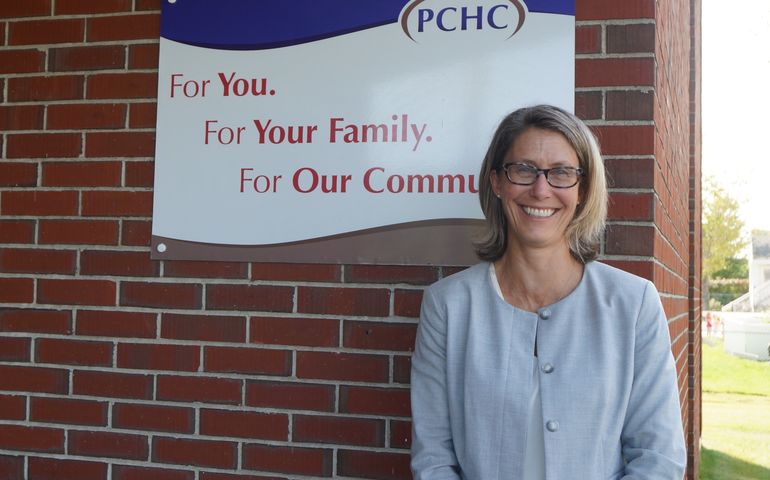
{"x": 736, "y": 417}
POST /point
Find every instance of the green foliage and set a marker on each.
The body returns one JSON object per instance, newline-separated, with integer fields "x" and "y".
{"x": 734, "y": 268}
{"x": 723, "y": 237}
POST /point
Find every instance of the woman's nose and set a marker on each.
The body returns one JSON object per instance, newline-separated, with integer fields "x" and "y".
{"x": 541, "y": 188}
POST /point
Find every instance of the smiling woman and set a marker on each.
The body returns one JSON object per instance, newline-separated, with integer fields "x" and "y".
{"x": 540, "y": 359}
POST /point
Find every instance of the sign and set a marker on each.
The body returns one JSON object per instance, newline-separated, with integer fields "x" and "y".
{"x": 341, "y": 131}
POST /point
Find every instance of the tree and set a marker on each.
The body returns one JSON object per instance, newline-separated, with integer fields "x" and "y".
{"x": 723, "y": 237}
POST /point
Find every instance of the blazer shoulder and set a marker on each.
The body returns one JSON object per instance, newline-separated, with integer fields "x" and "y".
{"x": 614, "y": 279}
{"x": 472, "y": 278}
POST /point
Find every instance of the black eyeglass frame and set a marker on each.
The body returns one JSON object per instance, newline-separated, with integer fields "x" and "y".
{"x": 543, "y": 171}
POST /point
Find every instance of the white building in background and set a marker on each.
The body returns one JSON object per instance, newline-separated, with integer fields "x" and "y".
{"x": 758, "y": 297}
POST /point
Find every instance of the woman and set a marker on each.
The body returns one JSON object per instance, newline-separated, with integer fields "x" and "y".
{"x": 540, "y": 363}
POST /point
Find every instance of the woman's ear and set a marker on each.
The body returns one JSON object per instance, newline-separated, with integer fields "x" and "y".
{"x": 494, "y": 181}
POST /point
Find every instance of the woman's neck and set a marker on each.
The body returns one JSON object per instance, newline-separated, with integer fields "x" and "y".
{"x": 533, "y": 279}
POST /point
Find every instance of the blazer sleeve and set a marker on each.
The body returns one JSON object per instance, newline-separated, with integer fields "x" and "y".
{"x": 433, "y": 454}
{"x": 652, "y": 439}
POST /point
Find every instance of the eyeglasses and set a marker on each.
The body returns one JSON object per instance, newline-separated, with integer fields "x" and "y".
{"x": 558, "y": 177}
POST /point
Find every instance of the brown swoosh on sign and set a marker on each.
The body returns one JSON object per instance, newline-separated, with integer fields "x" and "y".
{"x": 405, "y": 18}
{"x": 522, "y": 14}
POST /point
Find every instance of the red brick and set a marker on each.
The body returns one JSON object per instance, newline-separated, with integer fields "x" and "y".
{"x": 143, "y": 56}
{"x": 199, "y": 389}
{"x": 39, "y": 203}
{"x": 375, "y": 401}
{"x": 378, "y": 465}
{"x": 630, "y": 105}
{"x": 588, "y": 105}
{"x": 33, "y": 379}
{"x": 17, "y": 231}
{"x": 12, "y": 407}
{"x": 402, "y": 366}
{"x": 295, "y": 272}
{"x": 630, "y": 240}
{"x": 43, "y": 145}
{"x": 343, "y": 301}
{"x": 117, "y": 203}
{"x": 400, "y": 434}
{"x": 123, "y": 27}
{"x": 76, "y": 7}
{"x": 127, "y": 472}
{"x": 179, "y": 268}
{"x": 222, "y": 423}
{"x": 612, "y": 9}
{"x": 390, "y": 274}
{"x": 73, "y": 352}
{"x": 14, "y": 349}
{"x": 291, "y": 460}
{"x": 86, "y": 58}
{"x": 21, "y": 61}
{"x": 631, "y": 172}
{"x": 18, "y": 174}
{"x": 228, "y": 476}
{"x": 28, "y": 8}
{"x": 247, "y": 360}
{"x": 92, "y": 115}
{"x": 588, "y": 39}
{"x": 158, "y": 357}
{"x": 626, "y": 139}
{"x": 203, "y": 453}
{"x": 115, "y": 324}
{"x": 35, "y": 321}
{"x": 107, "y": 444}
{"x": 136, "y": 232}
{"x": 147, "y": 5}
{"x": 293, "y": 396}
{"x": 342, "y": 366}
{"x": 108, "y": 384}
{"x": 153, "y": 417}
{"x": 339, "y": 430}
{"x": 62, "y": 469}
{"x": 210, "y": 328}
{"x": 68, "y": 411}
{"x": 120, "y": 144}
{"x": 33, "y": 32}
{"x": 11, "y": 467}
{"x": 76, "y": 292}
{"x": 17, "y": 290}
{"x": 632, "y": 206}
{"x": 407, "y": 303}
{"x": 119, "y": 263}
{"x": 81, "y": 174}
{"x": 160, "y": 295}
{"x": 642, "y": 269}
{"x": 140, "y": 174}
{"x": 633, "y": 38}
{"x": 35, "y": 439}
{"x": 142, "y": 115}
{"x": 38, "y": 89}
{"x": 250, "y": 297}
{"x": 21, "y": 117}
{"x": 123, "y": 85}
{"x": 79, "y": 232}
{"x": 309, "y": 332}
{"x": 610, "y": 72}
{"x": 379, "y": 336}
{"x": 28, "y": 260}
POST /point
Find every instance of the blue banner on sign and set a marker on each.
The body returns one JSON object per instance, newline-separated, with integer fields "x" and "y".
{"x": 263, "y": 24}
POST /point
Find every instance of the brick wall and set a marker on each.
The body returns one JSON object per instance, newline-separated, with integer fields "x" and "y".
{"x": 113, "y": 366}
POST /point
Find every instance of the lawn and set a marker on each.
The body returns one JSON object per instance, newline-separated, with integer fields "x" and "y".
{"x": 736, "y": 417}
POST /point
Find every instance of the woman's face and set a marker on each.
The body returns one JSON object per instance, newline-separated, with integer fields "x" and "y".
{"x": 538, "y": 214}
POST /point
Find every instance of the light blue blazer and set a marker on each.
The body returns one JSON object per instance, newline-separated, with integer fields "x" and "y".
{"x": 607, "y": 381}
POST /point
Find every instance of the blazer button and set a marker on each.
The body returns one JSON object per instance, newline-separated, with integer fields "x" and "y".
{"x": 552, "y": 425}
{"x": 547, "y": 368}
{"x": 545, "y": 314}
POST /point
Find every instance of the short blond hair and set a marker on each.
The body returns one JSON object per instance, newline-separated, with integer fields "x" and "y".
{"x": 585, "y": 230}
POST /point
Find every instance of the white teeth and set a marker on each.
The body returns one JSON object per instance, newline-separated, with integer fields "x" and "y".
{"x": 539, "y": 212}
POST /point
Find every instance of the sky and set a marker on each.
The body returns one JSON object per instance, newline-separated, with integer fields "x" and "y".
{"x": 736, "y": 103}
